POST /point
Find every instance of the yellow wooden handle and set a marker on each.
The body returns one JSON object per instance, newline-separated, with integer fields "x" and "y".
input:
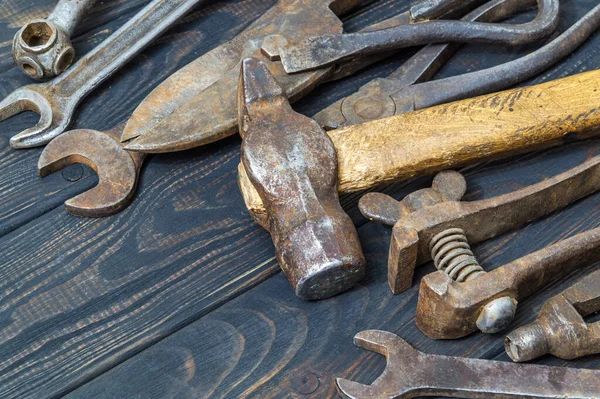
{"x": 463, "y": 132}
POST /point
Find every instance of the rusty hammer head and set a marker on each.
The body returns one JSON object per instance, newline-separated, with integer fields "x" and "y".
{"x": 292, "y": 164}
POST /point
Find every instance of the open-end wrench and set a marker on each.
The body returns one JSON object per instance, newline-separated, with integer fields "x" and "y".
{"x": 560, "y": 328}
{"x": 56, "y": 100}
{"x": 322, "y": 51}
{"x": 423, "y": 215}
{"x": 410, "y": 373}
{"x": 42, "y": 48}
{"x": 118, "y": 170}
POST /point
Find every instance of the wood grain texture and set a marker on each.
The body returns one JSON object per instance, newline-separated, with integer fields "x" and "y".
{"x": 267, "y": 343}
{"x": 80, "y": 296}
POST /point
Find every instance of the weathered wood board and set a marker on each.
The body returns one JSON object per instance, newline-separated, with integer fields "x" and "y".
{"x": 81, "y": 296}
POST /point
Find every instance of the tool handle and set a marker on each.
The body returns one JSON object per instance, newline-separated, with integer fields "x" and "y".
{"x": 468, "y": 131}
{"x": 484, "y": 378}
{"x": 121, "y": 46}
{"x": 67, "y": 14}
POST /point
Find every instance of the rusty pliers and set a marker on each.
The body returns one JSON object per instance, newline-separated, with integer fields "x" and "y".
{"x": 408, "y": 89}
{"x": 322, "y": 51}
{"x": 204, "y": 110}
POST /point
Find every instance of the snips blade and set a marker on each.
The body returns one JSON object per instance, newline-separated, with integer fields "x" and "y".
{"x": 197, "y": 105}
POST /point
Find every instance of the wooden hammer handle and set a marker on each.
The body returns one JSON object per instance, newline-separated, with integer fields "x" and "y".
{"x": 460, "y": 133}
{"x": 463, "y": 132}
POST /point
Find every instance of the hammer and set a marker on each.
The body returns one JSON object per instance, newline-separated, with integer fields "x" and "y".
{"x": 460, "y": 133}
{"x": 292, "y": 165}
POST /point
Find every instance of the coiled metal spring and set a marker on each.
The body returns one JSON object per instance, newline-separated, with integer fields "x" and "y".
{"x": 451, "y": 253}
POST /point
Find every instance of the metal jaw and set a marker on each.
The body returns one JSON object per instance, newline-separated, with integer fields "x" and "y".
{"x": 118, "y": 170}
{"x": 448, "y": 309}
{"x": 560, "y": 328}
{"x": 407, "y": 89}
{"x": 197, "y": 105}
{"x": 42, "y": 48}
{"x": 323, "y": 51}
{"x": 292, "y": 164}
{"x": 56, "y": 101}
{"x": 410, "y": 373}
{"x": 480, "y": 220}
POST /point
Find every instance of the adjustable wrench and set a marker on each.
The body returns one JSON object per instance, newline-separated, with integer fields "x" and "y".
{"x": 410, "y": 373}
{"x": 56, "y": 100}
{"x": 560, "y": 328}
{"x": 42, "y": 48}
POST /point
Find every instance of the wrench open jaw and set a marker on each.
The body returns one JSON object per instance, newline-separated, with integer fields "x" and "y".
{"x": 410, "y": 373}
{"x": 57, "y": 99}
{"x": 118, "y": 170}
{"x": 55, "y": 113}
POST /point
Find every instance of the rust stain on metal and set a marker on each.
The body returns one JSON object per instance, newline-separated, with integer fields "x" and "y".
{"x": 479, "y": 220}
{"x": 410, "y": 373}
{"x": 560, "y": 328}
{"x": 118, "y": 170}
{"x": 204, "y": 108}
{"x": 42, "y": 48}
{"x": 323, "y": 51}
{"x": 55, "y": 101}
{"x": 292, "y": 164}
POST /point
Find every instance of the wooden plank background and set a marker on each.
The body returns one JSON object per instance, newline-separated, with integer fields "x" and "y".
{"x": 180, "y": 296}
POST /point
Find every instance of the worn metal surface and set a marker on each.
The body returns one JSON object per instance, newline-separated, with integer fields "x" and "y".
{"x": 322, "y": 51}
{"x": 448, "y": 309}
{"x": 560, "y": 328}
{"x": 410, "y": 373}
{"x": 42, "y": 48}
{"x": 197, "y": 104}
{"x": 430, "y": 9}
{"x": 292, "y": 164}
{"x": 118, "y": 170}
{"x": 406, "y": 89}
{"x": 422, "y": 218}
{"x": 55, "y": 101}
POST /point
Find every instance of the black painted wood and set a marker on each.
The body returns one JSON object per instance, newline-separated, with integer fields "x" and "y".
{"x": 267, "y": 343}
{"x": 80, "y": 296}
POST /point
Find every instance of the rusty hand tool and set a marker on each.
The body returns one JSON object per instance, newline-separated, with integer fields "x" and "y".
{"x": 449, "y": 309}
{"x": 118, "y": 170}
{"x": 463, "y": 132}
{"x": 430, "y": 9}
{"x": 322, "y": 51}
{"x": 410, "y": 373}
{"x": 560, "y": 328}
{"x": 197, "y": 105}
{"x": 422, "y": 216}
{"x": 291, "y": 162}
{"x": 42, "y": 48}
{"x": 55, "y": 101}
{"x": 377, "y": 99}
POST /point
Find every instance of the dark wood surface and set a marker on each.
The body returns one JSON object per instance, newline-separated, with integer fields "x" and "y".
{"x": 180, "y": 295}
